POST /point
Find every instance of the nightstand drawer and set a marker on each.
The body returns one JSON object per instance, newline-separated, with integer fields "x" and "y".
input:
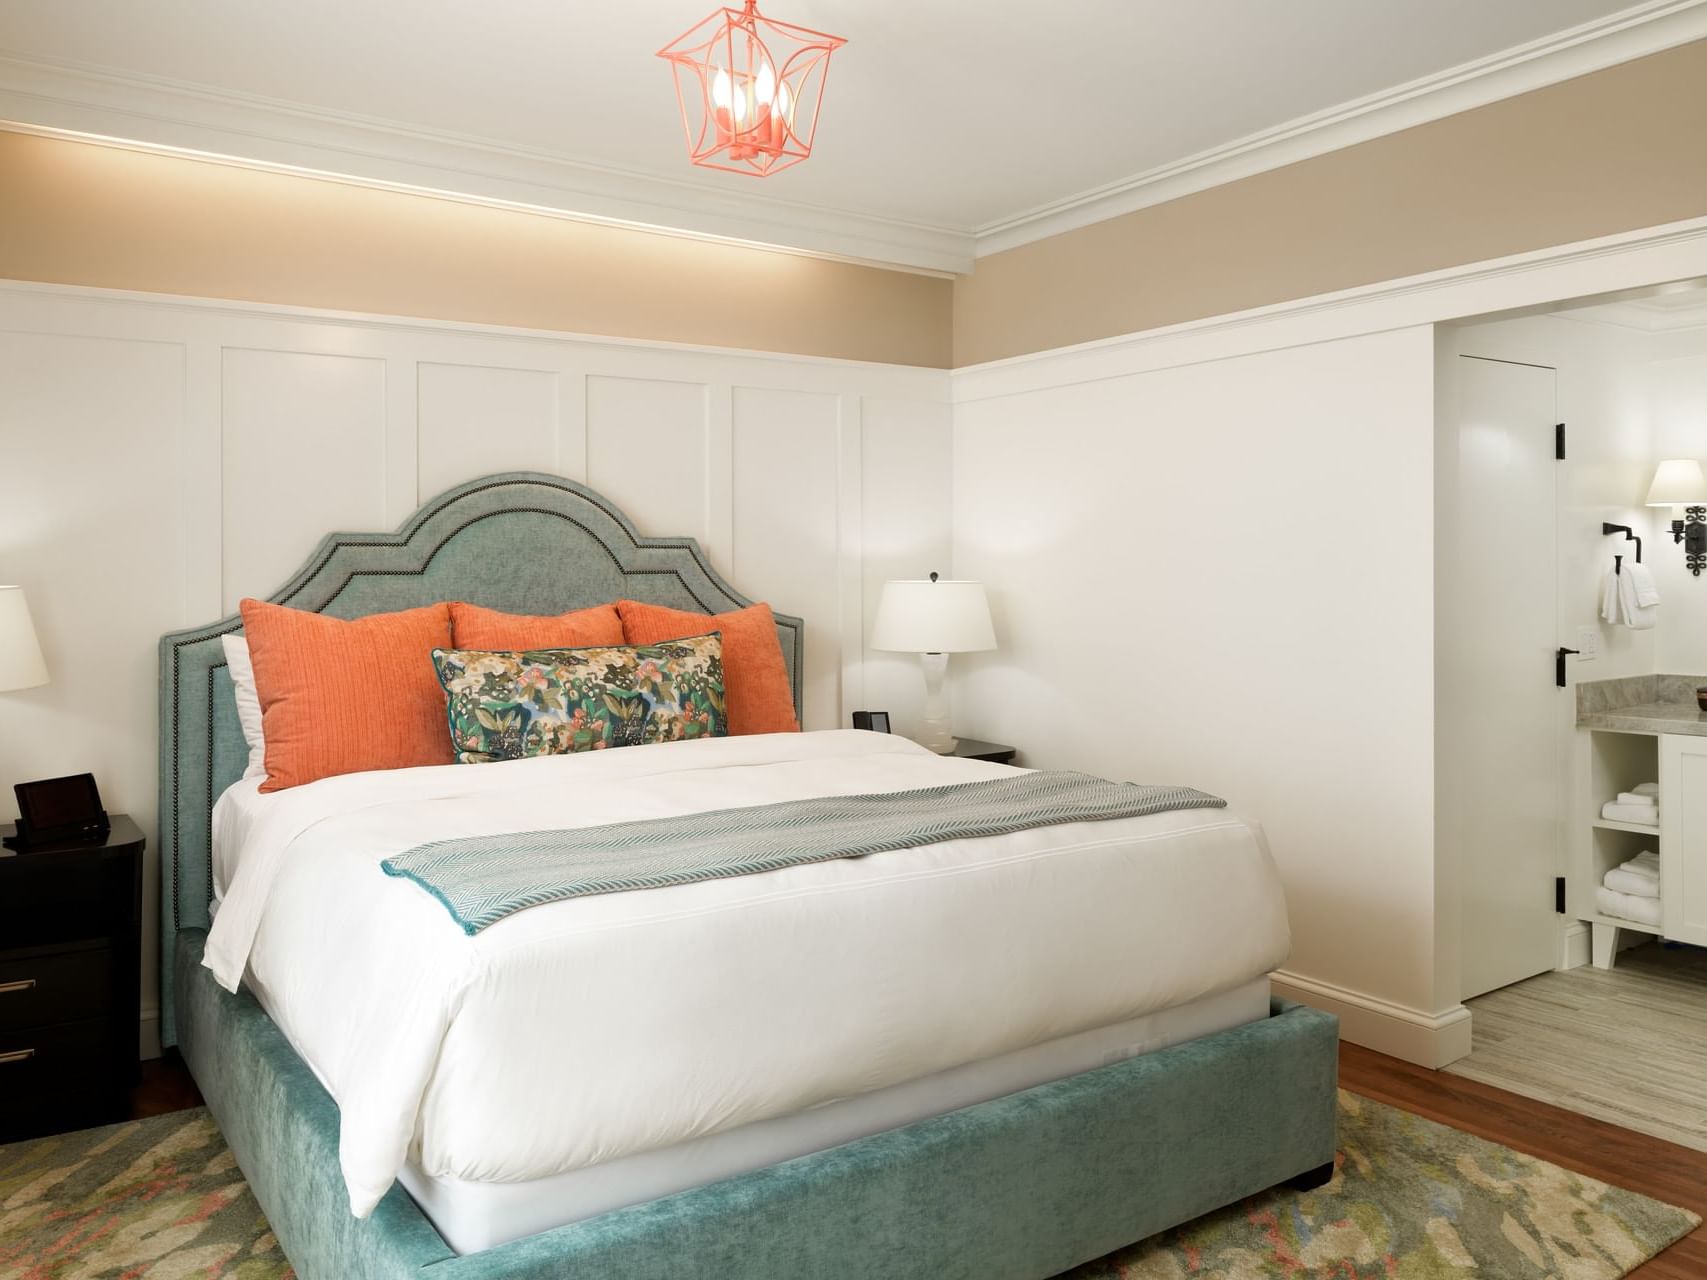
{"x": 64, "y": 986}
{"x": 58, "y": 1078}
{"x": 33, "y": 1056}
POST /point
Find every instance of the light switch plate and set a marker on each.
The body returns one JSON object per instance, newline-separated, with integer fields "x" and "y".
{"x": 1588, "y": 642}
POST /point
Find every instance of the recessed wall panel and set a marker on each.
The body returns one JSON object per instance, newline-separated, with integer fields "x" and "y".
{"x": 476, "y": 420}
{"x": 646, "y": 450}
{"x": 303, "y": 454}
{"x": 785, "y": 486}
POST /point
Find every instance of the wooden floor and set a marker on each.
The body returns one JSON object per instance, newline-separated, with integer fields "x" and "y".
{"x": 1623, "y": 1157}
{"x": 1627, "y": 1045}
{"x": 1677, "y": 1175}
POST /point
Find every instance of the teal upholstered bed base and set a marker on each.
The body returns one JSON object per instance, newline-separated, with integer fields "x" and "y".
{"x": 1022, "y": 1187}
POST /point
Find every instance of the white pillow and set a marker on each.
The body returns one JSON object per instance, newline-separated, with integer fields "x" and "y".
{"x": 248, "y": 703}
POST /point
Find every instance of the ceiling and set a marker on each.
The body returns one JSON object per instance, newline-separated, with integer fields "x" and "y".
{"x": 1681, "y": 305}
{"x": 947, "y": 128}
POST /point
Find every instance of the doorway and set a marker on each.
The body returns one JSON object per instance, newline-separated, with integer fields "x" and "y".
{"x": 1507, "y": 763}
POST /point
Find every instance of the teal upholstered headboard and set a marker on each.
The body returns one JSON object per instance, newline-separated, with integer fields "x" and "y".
{"x": 521, "y": 542}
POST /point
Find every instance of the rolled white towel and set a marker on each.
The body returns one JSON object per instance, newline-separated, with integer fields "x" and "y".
{"x": 1646, "y": 863}
{"x": 1632, "y": 883}
{"x": 1626, "y": 906}
{"x": 1647, "y": 789}
{"x": 1643, "y": 815}
{"x": 1637, "y": 797}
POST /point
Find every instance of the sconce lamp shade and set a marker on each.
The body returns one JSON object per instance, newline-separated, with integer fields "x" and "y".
{"x": 1678, "y": 482}
{"x": 933, "y": 616}
{"x": 21, "y": 665}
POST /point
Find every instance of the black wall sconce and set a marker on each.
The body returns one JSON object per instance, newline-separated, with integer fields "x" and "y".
{"x": 1679, "y": 484}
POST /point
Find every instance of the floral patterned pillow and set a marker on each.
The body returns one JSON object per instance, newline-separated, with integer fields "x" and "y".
{"x": 507, "y": 706}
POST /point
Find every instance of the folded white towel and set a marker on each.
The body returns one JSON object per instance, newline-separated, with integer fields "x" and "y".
{"x": 1647, "y": 789}
{"x": 1626, "y": 906}
{"x": 1643, "y": 864}
{"x": 1634, "y": 614}
{"x": 1643, "y": 815}
{"x": 1637, "y": 797}
{"x": 1647, "y": 594}
{"x": 1632, "y": 883}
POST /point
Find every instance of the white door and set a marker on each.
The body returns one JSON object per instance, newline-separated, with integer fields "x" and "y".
{"x": 1683, "y": 837}
{"x": 1504, "y": 742}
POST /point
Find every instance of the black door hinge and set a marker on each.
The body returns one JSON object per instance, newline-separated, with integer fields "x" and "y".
{"x": 1559, "y": 441}
{"x": 1559, "y": 895}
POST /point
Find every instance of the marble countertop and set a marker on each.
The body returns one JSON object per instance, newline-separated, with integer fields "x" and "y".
{"x": 1651, "y": 717}
{"x": 1642, "y": 704}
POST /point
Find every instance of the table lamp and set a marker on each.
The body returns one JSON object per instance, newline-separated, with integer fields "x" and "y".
{"x": 21, "y": 665}
{"x": 933, "y": 619}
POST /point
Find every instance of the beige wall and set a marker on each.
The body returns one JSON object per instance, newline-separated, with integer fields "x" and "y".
{"x": 77, "y": 213}
{"x": 1621, "y": 149}
{"x": 1614, "y": 151}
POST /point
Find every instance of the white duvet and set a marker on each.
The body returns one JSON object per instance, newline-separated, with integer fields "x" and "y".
{"x": 575, "y": 1032}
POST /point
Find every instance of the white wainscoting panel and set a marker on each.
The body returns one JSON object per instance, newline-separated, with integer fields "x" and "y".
{"x": 161, "y": 457}
{"x": 89, "y": 436}
{"x": 786, "y": 454}
{"x": 648, "y": 451}
{"x": 476, "y": 419}
{"x": 303, "y": 450}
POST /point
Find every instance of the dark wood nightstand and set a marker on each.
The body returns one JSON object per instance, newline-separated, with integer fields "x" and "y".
{"x": 70, "y": 983}
{"x": 972, "y": 749}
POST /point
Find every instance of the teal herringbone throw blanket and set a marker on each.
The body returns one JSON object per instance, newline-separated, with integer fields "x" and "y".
{"x": 482, "y": 879}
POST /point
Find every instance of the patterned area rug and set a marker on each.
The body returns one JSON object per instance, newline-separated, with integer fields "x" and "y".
{"x": 1412, "y": 1200}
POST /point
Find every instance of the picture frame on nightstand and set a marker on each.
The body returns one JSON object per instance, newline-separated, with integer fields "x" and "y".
{"x": 875, "y": 721}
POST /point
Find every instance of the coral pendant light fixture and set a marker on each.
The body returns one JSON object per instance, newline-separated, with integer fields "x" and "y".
{"x": 749, "y": 89}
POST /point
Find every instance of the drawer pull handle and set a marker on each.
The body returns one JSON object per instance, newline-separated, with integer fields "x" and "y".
{"x": 17, "y": 1055}
{"x": 23, "y": 984}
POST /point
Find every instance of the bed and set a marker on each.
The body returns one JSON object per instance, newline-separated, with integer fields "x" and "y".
{"x": 836, "y": 1093}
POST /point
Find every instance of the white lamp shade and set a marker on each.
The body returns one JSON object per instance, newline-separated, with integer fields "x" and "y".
{"x": 1678, "y": 483}
{"x": 21, "y": 665}
{"x": 933, "y": 617}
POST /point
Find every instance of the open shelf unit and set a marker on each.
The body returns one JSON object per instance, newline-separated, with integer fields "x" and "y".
{"x": 1615, "y": 762}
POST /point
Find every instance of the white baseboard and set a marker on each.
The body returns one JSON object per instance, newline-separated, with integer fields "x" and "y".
{"x": 1574, "y": 946}
{"x": 1428, "y": 1039}
{"x": 148, "y": 1040}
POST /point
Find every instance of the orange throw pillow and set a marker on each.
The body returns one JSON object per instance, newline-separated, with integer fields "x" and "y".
{"x": 755, "y": 680}
{"x": 342, "y": 696}
{"x": 478, "y": 628}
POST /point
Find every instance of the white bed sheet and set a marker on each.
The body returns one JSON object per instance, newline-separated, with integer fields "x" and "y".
{"x": 472, "y": 1216}
{"x": 580, "y": 1032}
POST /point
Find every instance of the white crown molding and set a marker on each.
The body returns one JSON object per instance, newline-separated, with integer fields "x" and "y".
{"x": 153, "y": 113}
{"x": 1651, "y": 27}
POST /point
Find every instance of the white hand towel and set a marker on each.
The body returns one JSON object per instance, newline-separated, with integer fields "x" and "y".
{"x": 1647, "y": 789}
{"x": 1636, "y": 616}
{"x": 1610, "y": 611}
{"x": 1630, "y": 882}
{"x": 1647, "y": 594}
{"x": 1642, "y": 815}
{"x": 1637, "y": 797}
{"x": 1626, "y": 906}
